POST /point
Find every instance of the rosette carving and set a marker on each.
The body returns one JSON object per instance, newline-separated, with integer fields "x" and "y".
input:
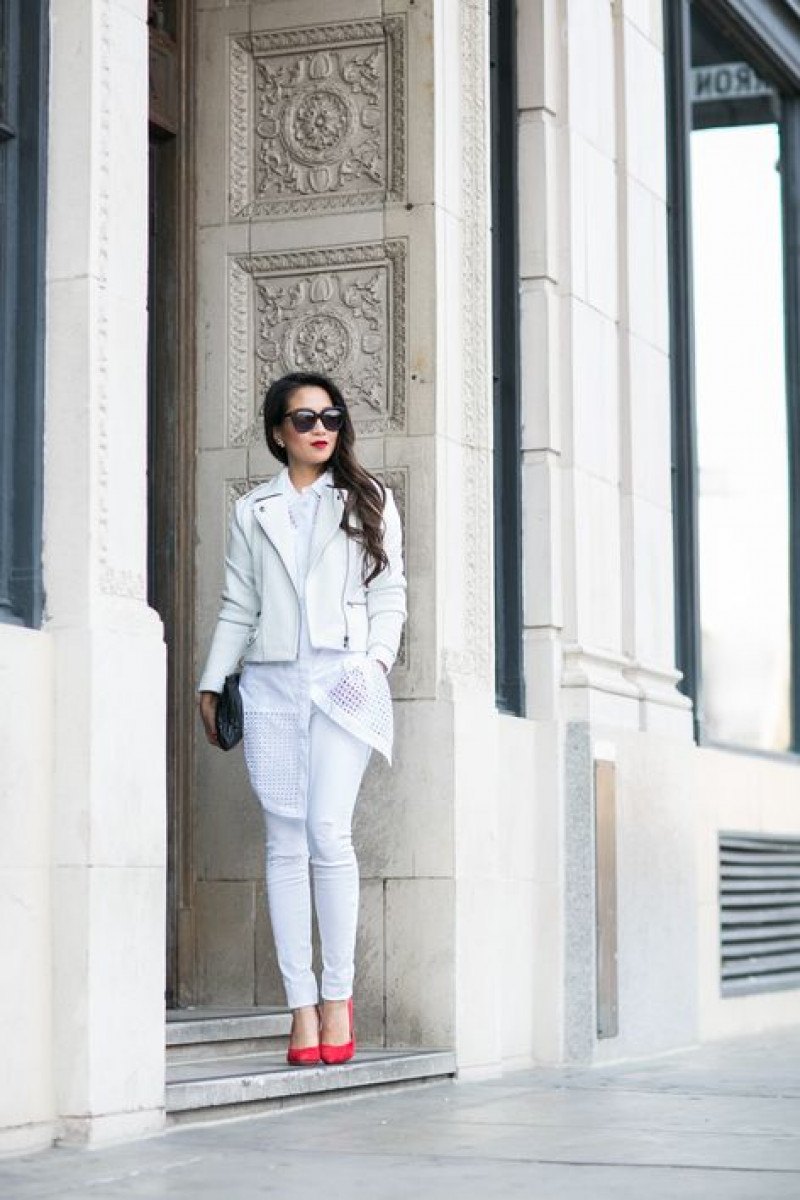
{"x": 317, "y": 118}
{"x": 340, "y": 311}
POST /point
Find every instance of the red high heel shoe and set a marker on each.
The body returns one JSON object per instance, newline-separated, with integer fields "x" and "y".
{"x": 305, "y": 1056}
{"x": 340, "y": 1054}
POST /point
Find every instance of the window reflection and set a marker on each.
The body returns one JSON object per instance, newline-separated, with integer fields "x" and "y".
{"x": 743, "y": 485}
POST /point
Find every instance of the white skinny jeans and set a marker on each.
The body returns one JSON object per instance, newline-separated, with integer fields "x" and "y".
{"x": 337, "y": 761}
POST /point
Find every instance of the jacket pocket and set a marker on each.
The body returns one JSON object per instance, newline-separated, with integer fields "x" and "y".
{"x": 355, "y": 613}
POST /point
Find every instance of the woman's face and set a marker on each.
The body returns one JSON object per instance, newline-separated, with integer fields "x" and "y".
{"x": 312, "y": 449}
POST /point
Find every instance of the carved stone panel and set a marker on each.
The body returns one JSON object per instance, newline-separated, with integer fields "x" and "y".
{"x": 236, "y": 488}
{"x": 339, "y": 311}
{"x": 397, "y": 480}
{"x": 317, "y": 119}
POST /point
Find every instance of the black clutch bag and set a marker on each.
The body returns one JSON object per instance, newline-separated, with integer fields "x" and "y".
{"x": 230, "y": 714}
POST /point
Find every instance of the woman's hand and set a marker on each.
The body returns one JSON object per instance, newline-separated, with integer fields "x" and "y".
{"x": 208, "y": 712}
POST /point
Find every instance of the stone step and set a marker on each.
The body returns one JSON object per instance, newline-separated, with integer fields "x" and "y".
{"x": 197, "y": 1034}
{"x": 236, "y": 1086}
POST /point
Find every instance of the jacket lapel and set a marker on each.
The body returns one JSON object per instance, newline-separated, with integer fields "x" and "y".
{"x": 329, "y": 518}
{"x": 272, "y": 514}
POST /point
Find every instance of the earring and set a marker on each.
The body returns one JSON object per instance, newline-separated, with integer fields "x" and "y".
{"x": 279, "y": 443}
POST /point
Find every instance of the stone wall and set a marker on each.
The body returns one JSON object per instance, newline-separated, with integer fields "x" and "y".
{"x": 83, "y": 799}
{"x": 27, "y": 1112}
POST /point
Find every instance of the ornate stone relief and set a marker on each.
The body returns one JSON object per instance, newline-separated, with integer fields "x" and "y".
{"x": 236, "y": 488}
{"x": 476, "y": 659}
{"x": 122, "y": 582}
{"x": 339, "y": 311}
{"x": 396, "y": 479}
{"x": 317, "y": 119}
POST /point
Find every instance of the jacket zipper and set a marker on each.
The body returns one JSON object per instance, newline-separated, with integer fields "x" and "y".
{"x": 344, "y": 590}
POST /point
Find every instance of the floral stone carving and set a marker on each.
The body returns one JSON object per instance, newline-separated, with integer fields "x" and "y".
{"x": 317, "y": 118}
{"x": 338, "y": 311}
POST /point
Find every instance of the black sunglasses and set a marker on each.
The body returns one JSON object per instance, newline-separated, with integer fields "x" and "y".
{"x": 304, "y": 419}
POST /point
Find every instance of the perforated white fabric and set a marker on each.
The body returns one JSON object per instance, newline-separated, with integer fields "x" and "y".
{"x": 273, "y": 762}
{"x": 358, "y": 699}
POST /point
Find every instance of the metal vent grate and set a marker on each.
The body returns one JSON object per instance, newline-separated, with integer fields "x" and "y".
{"x": 759, "y": 889}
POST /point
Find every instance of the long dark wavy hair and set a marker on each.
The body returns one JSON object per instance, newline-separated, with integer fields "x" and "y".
{"x": 362, "y": 519}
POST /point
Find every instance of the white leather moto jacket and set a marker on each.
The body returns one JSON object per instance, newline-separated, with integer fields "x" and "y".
{"x": 259, "y": 618}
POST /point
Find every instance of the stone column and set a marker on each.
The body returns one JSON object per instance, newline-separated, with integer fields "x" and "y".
{"x": 596, "y": 444}
{"x": 648, "y": 629}
{"x": 544, "y": 373}
{"x": 109, "y": 664}
{"x": 595, "y": 279}
{"x": 539, "y": 75}
{"x": 593, "y": 681}
{"x": 464, "y": 579}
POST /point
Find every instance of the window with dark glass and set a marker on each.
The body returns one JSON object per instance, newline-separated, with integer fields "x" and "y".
{"x": 509, "y": 686}
{"x": 23, "y": 64}
{"x": 733, "y": 383}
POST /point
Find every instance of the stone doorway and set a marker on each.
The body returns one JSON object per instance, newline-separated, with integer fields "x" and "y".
{"x": 302, "y": 263}
{"x": 311, "y": 167}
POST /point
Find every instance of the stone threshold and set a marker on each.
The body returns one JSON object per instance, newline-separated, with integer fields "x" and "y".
{"x": 238, "y": 1084}
{"x": 230, "y": 1062}
{"x": 198, "y": 1026}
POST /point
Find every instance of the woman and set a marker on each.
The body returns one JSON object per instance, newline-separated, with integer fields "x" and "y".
{"x": 314, "y": 605}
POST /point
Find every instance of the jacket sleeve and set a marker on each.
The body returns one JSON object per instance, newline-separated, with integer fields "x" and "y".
{"x": 386, "y": 594}
{"x": 238, "y": 612}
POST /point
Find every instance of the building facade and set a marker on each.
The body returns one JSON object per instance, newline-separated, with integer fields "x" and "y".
{"x": 545, "y": 250}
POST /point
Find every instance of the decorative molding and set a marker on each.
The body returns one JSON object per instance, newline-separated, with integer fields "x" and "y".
{"x": 475, "y": 238}
{"x": 658, "y": 685}
{"x": 236, "y": 488}
{"x": 317, "y": 119}
{"x": 340, "y": 311}
{"x": 241, "y": 409}
{"x": 113, "y": 581}
{"x": 397, "y": 479}
{"x": 239, "y": 168}
{"x": 476, "y": 657}
{"x": 604, "y": 670}
{"x": 619, "y": 674}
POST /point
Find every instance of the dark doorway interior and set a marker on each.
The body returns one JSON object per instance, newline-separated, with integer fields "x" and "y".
{"x": 171, "y": 450}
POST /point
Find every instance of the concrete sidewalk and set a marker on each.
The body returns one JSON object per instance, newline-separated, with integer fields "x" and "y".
{"x": 722, "y": 1121}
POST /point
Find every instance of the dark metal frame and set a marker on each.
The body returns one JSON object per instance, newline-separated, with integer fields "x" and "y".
{"x": 790, "y": 186}
{"x": 23, "y": 150}
{"x": 509, "y": 671}
{"x": 681, "y": 309}
{"x": 767, "y": 29}
{"x": 769, "y": 33}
